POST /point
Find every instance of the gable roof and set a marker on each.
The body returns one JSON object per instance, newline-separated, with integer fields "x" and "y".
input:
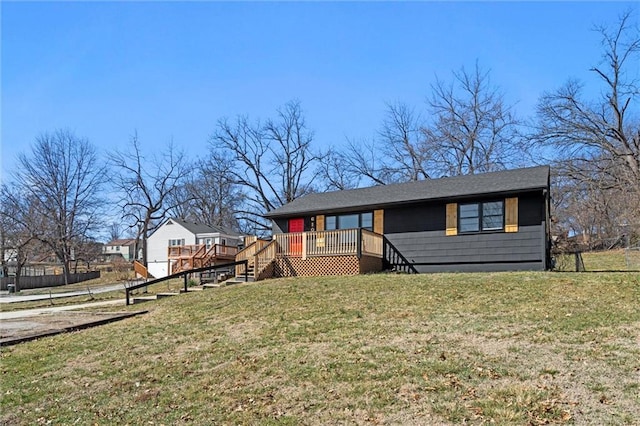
{"x": 121, "y": 242}
{"x": 506, "y": 181}
{"x": 200, "y": 228}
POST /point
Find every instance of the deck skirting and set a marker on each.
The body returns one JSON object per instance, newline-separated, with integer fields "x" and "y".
{"x": 291, "y": 266}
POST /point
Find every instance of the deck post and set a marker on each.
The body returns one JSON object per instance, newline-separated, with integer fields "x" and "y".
{"x": 359, "y": 242}
{"x": 304, "y": 246}
{"x": 185, "y": 282}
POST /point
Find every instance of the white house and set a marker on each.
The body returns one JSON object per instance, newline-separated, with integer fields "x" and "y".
{"x": 177, "y": 232}
{"x": 124, "y": 248}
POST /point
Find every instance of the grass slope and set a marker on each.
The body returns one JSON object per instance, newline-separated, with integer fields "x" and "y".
{"x": 513, "y": 348}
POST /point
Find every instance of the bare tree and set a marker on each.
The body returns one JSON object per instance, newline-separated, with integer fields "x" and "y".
{"x": 404, "y": 145}
{"x": 597, "y": 142}
{"x": 336, "y": 171}
{"x": 273, "y": 161}
{"x": 473, "y": 128}
{"x": 115, "y": 231}
{"x": 19, "y": 223}
{"x": 145, "y": 186}
{"x": 62, "y": 177}
{"x": 212, "y": 196}
{"x": 470, "y": 129}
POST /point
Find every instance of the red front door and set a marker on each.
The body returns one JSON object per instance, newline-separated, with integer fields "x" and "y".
{"x": 296, "y": 225}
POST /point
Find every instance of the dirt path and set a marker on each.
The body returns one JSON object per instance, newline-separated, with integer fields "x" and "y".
{"x": 29, "y": 324}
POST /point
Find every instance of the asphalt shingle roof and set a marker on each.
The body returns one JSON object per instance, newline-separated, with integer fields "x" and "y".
{"x": 200, "y": 228}
{"x": 506, "y": 181}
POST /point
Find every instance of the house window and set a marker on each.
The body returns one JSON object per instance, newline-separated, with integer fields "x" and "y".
{"x": 349, "y": 221}
{"x": 477, "y": 217}
{"x": 117, "y": 248}
{"x": 177, "y": 242}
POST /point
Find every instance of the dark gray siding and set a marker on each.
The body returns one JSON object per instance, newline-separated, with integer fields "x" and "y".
{"x": 279, "y": 226}
{"x": 432, "y": 251}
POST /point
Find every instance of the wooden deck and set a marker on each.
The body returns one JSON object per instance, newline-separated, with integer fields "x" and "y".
{"x": 315, "y": 253}
{"x": 182, "y": 258}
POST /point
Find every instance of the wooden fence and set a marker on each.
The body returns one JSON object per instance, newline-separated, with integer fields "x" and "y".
{"x": 42, "y": 281}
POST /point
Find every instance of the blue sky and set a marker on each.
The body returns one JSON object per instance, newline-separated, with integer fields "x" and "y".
{"x": 171, "y": 70}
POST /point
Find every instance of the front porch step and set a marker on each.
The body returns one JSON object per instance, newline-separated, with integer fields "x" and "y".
{"x": 214, "y": 285}
{"x": 239, "y": 279}
{"x": 142, "y": 299}
{"x": 161, "y": 295}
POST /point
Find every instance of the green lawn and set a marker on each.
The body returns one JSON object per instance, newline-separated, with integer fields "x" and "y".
{"x": 510, "y": 348}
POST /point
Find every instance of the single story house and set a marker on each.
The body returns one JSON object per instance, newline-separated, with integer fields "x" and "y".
{"x": 178, "y": 245}
{"x": 495, "y": 221}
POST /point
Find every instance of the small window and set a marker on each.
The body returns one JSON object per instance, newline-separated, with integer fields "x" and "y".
{"x": 366, "y": 221}
{"x": 330, "y": 223}
{"x": 477, "y": 217}
{"x": 492, "y": 216}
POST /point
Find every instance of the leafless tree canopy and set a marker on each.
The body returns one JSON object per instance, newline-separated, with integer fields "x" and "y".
{"x": 273, "y": 161}
{"x": 212, "y": 196}
{"x": 473, "y": 129}
{"x": 145, "y": 185}
{"x": 62, "y": 180}
{"x": 20, "y": 225}
{"x": 469, "y": 129}
{"x": 597, "y": 142}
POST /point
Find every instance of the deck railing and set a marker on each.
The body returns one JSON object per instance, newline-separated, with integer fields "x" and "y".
{"x": 140, "y": 269}
{"x": 248, "y": 254}
{"x": 197, "y": 256}
{"x": 329, "y": 243}
{"x": 371, "y": 243}
{"x": 219, "y": 250}
{"x": 174, "y": 252}
{"x": 265, "y": 256}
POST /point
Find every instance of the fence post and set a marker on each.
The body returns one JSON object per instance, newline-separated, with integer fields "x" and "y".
{"x": 579, "y": 263}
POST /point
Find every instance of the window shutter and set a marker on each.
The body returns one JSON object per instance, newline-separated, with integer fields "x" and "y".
{"x": 378, "y": 221}
{"x": 320, "y": 222}
{"x": 452, "y": 219}
{"x": 511, "y": 215}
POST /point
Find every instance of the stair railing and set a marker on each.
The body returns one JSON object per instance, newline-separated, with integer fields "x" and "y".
{"x": 264, "y": 257}
{"x": 248, "y": 254}
{"x": 184, "y": 274}
{"x": 393, "y": 257}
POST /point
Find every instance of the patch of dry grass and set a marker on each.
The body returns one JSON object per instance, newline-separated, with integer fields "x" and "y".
{"x": 510, "y": 348}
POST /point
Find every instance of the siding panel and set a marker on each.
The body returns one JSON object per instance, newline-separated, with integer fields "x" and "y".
{"x": 490, "y": 251}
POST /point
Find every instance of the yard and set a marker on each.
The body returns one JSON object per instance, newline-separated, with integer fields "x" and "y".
{"x": 518, "y": 348}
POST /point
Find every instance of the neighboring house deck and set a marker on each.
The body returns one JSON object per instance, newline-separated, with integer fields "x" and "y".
{"x": 178, "y": 245}
{"x": 489, "y": 222}
{"x": 182, "y": 258}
